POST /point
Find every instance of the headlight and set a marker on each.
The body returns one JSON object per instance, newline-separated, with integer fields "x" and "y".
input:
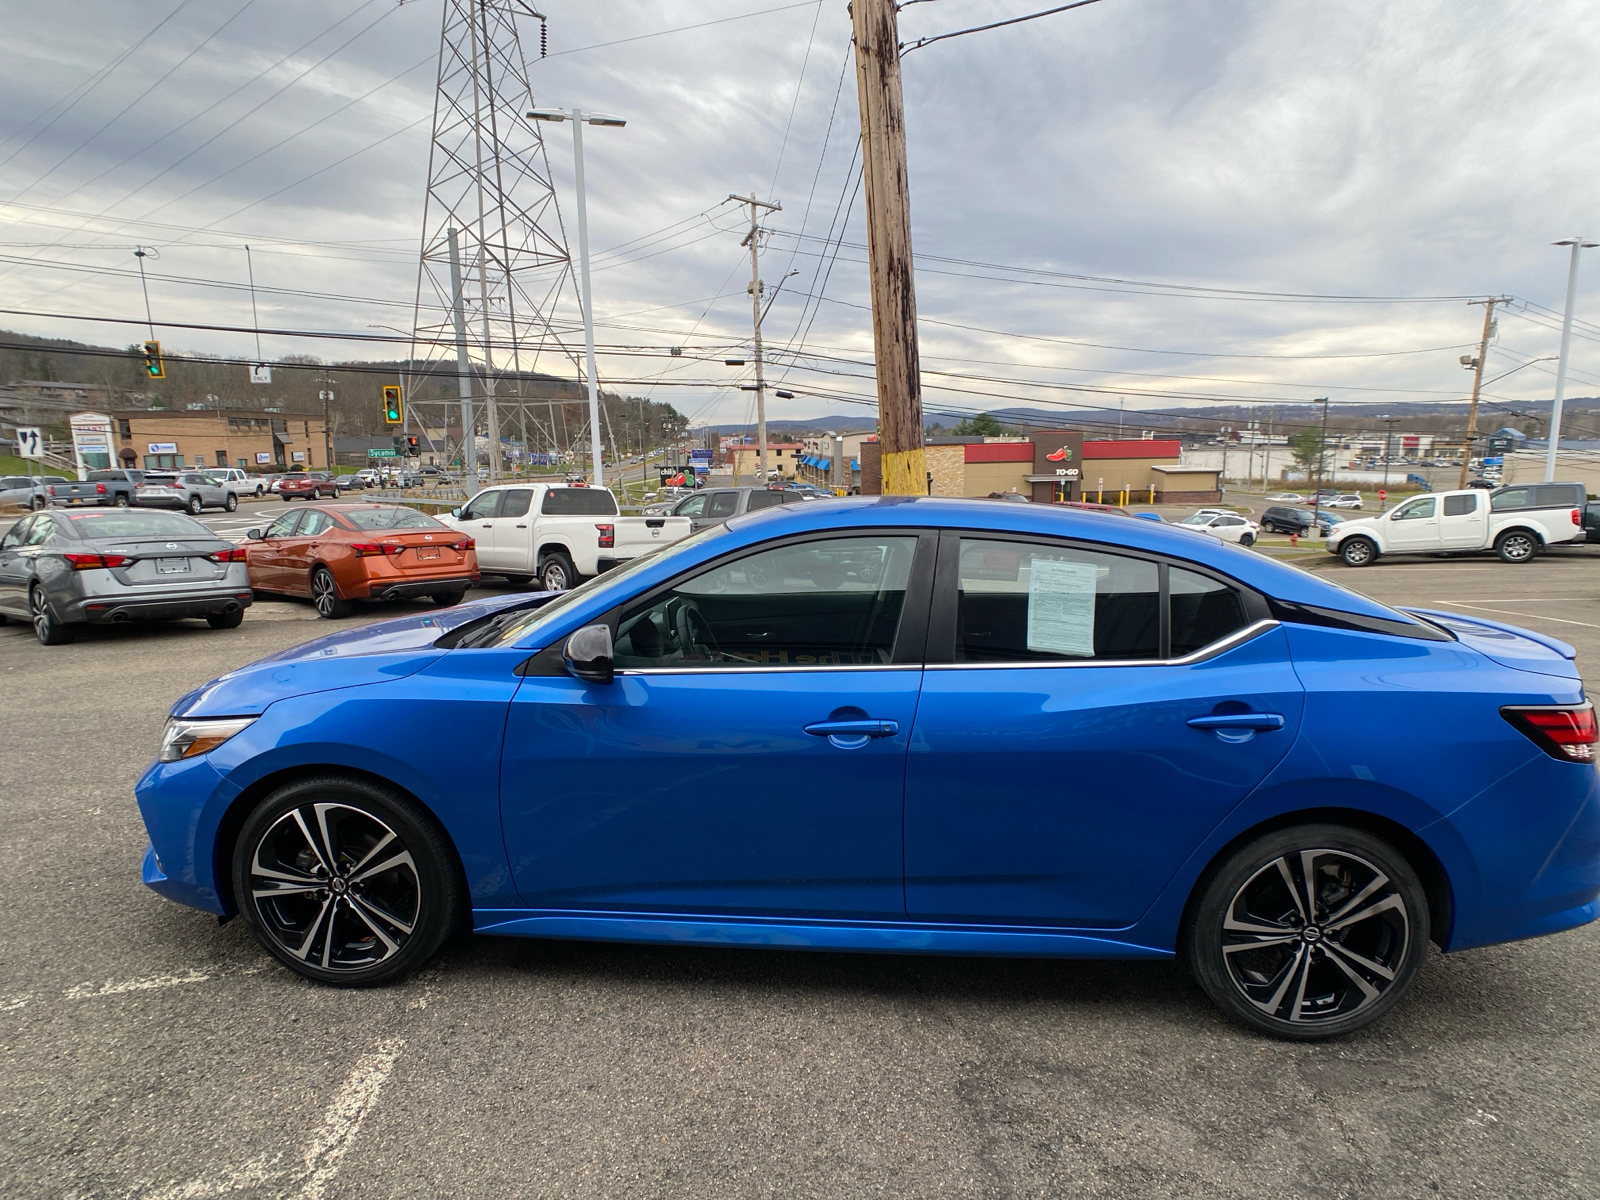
{"x": 187, "y": 739}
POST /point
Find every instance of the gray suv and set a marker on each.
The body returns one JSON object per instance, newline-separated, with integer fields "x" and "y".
{"x": 713, "y": 506}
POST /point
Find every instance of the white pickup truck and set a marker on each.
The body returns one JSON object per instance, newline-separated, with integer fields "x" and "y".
{"x": 556, "y": 533}
{"x": 1515, "y": 522}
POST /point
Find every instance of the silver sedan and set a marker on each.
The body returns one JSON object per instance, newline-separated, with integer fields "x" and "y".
{"x": 63, "y": 569}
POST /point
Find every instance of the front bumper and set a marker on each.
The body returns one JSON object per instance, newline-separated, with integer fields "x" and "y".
{"x": 386, "y": 590}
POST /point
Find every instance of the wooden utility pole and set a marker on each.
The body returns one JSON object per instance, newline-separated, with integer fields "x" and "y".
{"x": 1477, "y": 382}
{"x": 894, "y": 299}
{"x": 753, "y": 240}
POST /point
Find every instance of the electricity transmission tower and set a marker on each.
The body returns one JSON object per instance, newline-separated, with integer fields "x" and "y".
{"x": 494, "y": 262}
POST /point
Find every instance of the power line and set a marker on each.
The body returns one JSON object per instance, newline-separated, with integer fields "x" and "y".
{"x": 1049, "y": 12}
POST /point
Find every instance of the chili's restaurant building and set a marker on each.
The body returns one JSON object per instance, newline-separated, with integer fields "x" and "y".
{"x": 1054, "y": 465}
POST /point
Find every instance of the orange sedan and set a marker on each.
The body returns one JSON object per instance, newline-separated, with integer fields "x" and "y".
{"x": 338, "y": 553}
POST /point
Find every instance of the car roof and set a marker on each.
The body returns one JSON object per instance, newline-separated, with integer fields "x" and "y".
{"x": 982, "y": 515}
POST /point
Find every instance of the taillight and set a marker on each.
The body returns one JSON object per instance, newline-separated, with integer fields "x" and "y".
{"x": 463, "y": 545}
{"x": 1567, "y": 732}
{"x": 369, "y": 549}
{"x": 100, "y": 488}
{"x": 608, "y": 536}
{"x": 237, "y": 554}
{"x": 1577, "y": 517}
{"x": 89, "y": 562}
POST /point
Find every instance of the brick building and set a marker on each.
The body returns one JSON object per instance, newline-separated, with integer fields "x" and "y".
{"x": 155, "y": 439}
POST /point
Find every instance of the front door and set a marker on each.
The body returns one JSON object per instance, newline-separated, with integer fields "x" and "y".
{"x": 1414, "y": 526}
{"x": 477, "y": 521}
{"x": 267, "y": 562}
{"x": 749, "y": 758}
{"x": 510, "y": 538}
{"x": 1464, "y": 521}
{"x": 1065, "y": 762}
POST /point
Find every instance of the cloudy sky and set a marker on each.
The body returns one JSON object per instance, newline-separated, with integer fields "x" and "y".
{"x": 1160, "y": 203}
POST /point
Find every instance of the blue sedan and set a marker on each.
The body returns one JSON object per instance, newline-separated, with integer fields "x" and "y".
{"x": 909, "y": 725}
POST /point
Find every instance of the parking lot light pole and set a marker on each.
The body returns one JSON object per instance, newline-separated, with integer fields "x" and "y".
{"x": 1322, "y": 449}
{"x": 1553, "y": 434}
{"x": 579, "y": 119}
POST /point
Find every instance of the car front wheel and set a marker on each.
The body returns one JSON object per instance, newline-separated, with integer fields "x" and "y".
{"x": 345, "y": 881}
{"x": 1308, "y": 932}
{"x": 1358, "y": 552}
{"x": 1516, "y": 546}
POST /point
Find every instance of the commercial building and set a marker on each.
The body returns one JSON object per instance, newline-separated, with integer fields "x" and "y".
{"x": 155, "y": 440}
{"x": 781, "y": 456}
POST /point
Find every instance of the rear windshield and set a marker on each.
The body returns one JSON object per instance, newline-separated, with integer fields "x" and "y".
{"x": 133, "y": 523}
{"x": 578, "y": 502}
{"x": 389, "y": 518}
{"x": 160, "y": 479}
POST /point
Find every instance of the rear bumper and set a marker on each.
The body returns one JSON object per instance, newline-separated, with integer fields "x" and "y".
{"x": 101, "y": 610}
{"x": 384, "y": 590}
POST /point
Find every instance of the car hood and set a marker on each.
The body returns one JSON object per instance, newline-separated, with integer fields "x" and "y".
{"x": 348, "y": 658}
{"x": 1508, "y": 645}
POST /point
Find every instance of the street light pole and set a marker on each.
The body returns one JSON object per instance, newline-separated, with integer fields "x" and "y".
{"x": 1553, "y": 434}
{"x": 1322, "y": 450}
{"x": 579, "y": 119}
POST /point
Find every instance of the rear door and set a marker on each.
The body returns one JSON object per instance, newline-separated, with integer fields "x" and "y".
{"x": 13, "y": 570}
{"x": 297, "y": 552}
{"x": 1086, "y": 719}
{"x": 1463, "y": 521}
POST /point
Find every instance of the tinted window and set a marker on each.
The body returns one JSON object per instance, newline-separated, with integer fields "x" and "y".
{"x": 1039, "y": 602}
{"x": 1460, "y": 506}
{"x": 1203, "y": 610}
{"x": 40, "y": 532}
{"x": 579, "y": 502}
{"x": 1510, "y": 498}
{"x": 315, "y": 522}
{"x": 1415, "y": 509}
{"x": 133, "y": 523}
{"x": 516, "y": 502}
{"x": 759, "y": 500}
{"x": 482, "y": 507}
{"x": 723, "y": 504}
{"x": 400, "y": 518}
{"x": 817, "y": 604}
{"x": 1558, "y": 494}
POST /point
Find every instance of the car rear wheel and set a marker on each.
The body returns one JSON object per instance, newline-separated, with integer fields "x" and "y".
{"x": 1358, "y": 552}
{"x": 121, "y": 500}
{"x": 226, "y": 620}
{"x": 556, "y": 573}
{"x": 346, "y": 882}
{"x": 1516, "y": 546}
{"x": 38, "y": 503}
{"x": 1308, "y": 932}
{"x": 195, "y": 506}
{"x": 1248, "y": 539}
{"x": 46, "y": 626}
{"x": 325, "y": 595}
{"x": 446, "y": 599}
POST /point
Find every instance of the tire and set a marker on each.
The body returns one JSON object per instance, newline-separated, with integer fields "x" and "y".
{"x": 39, "y": 504}
{"x": 1321, "y": 976}
{"x": 121, "y": 500}
{"x": 556, "y": 573}
{"x": 232, "y": 503}
{"x": 446, "y": 599}
{"x": 285, "y": 499}
{"x": 196, "y": 506}
{"x": 325, "y": 595}
{"x": 226, "y": 620}
{"x": 46, "y": 626}
{"x": 1358, "y": 552}
{"x": 1248, "y": 539}
{"x": 1516, "y": 546}
{"x": 368, "y": 925}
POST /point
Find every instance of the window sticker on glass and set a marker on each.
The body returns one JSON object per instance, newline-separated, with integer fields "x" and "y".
{"x": 1061, "y": 607}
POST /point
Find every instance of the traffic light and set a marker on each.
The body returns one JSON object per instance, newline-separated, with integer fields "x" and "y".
{"x": 411, "y": 448}
{"x": 153, "y": 366}
{"x": 393, "y": 410}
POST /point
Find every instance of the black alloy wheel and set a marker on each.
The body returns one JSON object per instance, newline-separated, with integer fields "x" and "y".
{"x": 346, "y": 882}
{"x": 1309, "y": 932}
{"x": 1516, "y": 546}
{"x": 556, "y": 573}
{"x": 1358, "y": 552}
{"x": 46, "y": 626}
{"x": 325, "y": 595}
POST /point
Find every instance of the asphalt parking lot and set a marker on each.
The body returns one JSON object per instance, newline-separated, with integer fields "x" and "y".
{"x": 151, "y": 1053}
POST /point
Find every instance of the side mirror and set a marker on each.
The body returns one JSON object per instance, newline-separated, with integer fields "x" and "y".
{"x": 455, "y": 512}
{"x": 255, "y": 535}
{"x": 588, "y": 654}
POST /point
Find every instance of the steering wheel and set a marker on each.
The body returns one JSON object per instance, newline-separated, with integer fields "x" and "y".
{"x": 694, "y": 631}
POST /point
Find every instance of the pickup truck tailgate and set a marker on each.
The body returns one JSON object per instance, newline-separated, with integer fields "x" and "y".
{"x": 640, "y": 535}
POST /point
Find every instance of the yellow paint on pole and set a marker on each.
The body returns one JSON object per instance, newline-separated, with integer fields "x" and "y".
{"x": 905, "y": 473}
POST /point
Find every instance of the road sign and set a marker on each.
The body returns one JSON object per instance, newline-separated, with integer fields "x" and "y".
{"x": 383, "y": 452}
{"x": 260, "y": 373}
{"x": 30, "y": 443}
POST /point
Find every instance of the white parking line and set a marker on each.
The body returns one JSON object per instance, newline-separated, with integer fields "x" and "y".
{"x": 1507, "y": 612}
{"x": 345, "y": 1115}
{"x": 88, "y": 991}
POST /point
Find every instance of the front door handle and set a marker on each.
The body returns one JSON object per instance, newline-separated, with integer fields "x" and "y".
{"x": 867, "y": 728}
{"x": 1260, "y": 722}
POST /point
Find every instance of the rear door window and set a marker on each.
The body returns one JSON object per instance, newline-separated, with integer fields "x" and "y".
{"x": 1460, "y": 506}
{"x": 759, "y": 500}
{"x": 515, "y": 502}
{"x": 1203, "y": 610}
{"x": 315, "y": 522}
{"x": 723, "y": 504}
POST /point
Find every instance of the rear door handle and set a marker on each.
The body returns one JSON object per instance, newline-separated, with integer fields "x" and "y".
{"x": 1260, "y": 722}
{"x": 867, "y": 728}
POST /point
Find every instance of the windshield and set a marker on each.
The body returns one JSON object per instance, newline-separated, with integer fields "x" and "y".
{"x": 133, "y": 523}
{"x": 390, "y": 518}
{"x": 529, "y": 622}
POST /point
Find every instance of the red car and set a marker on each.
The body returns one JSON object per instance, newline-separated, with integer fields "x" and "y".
{"x": 308, "y": 485}
{"x": 339, "y": 553}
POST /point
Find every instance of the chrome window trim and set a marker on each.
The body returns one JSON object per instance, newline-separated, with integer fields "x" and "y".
{"x": 764, "y": 670}
{"x": 1237, "y": 638}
